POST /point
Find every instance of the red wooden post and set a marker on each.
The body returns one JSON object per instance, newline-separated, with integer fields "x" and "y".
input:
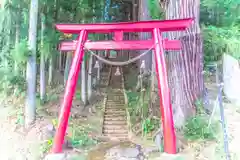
{"x": 121, "y": 45}
{"x": 118, "y": 35}
{"x": 69, "y": 93}
{"x": 164, "y": 93}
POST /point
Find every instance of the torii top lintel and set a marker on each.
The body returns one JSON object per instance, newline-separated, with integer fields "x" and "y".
{"x": 141, "y": 26}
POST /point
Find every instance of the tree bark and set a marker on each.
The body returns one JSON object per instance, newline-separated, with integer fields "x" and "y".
{"x": 30, "y": 109}
{"x": 67, "y": 66}
{"x": 89, "y": 88}
{"x": 17, "y": 40}
{"x": 185, "y": 68}
{"x": 144, "y": 15}
{"x": 83, "y": 83}
{"x": 42, "y": 63}
{"x": 60, "y": 62}
{"x": 53, "y": 58}
{"x": 50, "y": 71}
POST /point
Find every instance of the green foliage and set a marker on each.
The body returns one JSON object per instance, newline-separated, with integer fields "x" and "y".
{"x": 20, "y": 118}
{"x": 221, "y": 40}
{"x": 149, "y": 125}
{"x": 133, "y": 103}
{"x": 78, "y": 136}
{"x": 220, "y": 12}
{"x": 138, "y": 109}
{"x": 81, "y": 138}
{"x": 155, "y": 10}
{"x": 78, "y": 94}
{"x": 46, "y": 146}
{"x": 197, "y": 127}
{"x": 9, "y": 81}
{"x": 50, "y": 44}
{"x": 21, "y": 52}
{"x": 220, "y": 19}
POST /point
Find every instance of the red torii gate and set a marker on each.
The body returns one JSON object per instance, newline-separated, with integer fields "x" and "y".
{"x": 156, "y": 28}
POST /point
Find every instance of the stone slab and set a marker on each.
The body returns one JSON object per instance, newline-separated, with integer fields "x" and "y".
{"x": 59, "y": 156}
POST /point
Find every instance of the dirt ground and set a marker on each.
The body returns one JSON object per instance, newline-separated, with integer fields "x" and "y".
{"x": 17, "y": 143}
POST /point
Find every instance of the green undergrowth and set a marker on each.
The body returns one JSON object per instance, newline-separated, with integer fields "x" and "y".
{"x": 79, "y": 137}
{"x": 198, "y": 126}
{"x": 138, "y": 106}
{"x": 138, "y": 110}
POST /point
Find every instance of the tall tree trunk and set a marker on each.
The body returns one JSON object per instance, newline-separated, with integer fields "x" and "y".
{"x": 89, "y": 87}
{"x": 144, "y": 15}
{"x": 17, "y": 40}
{"x": 83, "y": 83}
{"x": 67, "y": 66}
{"x": 7, "y": 30}
{"x": 100, "y": 53}
{"x": 30, "y": 109}
{"x": 42, "y": 62}
{"x": 52, "y": 59}
{"x": 60, "y": 62}
{"x": 90, "y": 63}
{"x": 185, "y": 68}
{"x": 50, "y": 71}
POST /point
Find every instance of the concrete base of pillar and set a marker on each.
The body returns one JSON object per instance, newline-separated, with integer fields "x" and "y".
{"x": 58, "y": 156}
{"x": 165, "y": 156}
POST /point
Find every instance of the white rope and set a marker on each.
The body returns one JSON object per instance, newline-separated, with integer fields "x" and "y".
{"x": 119, "y": 63}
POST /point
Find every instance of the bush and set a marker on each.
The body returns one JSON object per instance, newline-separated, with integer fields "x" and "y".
{"x": 197, "y": 128}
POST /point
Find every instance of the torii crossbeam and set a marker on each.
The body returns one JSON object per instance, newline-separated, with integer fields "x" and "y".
{"x": 160, "y": 44}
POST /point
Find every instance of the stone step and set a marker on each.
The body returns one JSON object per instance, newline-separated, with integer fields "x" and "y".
{"x": 102, "y": 86}
{"x": 115, "y": 108}
{"x": 115, "y": 97}
{"x": 117, "y": 135}
{"x": 119, "y": 138}
{"x": 112, "y": 99}
{"x": 105, "y": 73}
{"x": 109, "y": 109}
{"x": 115, "y": 103}
{"x": 115, "y": 118}
{"x": 117, "y": 93}
{"x": 116, "y": 112}
{"x": 103, "y": 78}
{"x": 106, "y": 131}
{"x": 115, "y": 127}
{"x": 114, "y": 123}
{"x": 104, "y": 81}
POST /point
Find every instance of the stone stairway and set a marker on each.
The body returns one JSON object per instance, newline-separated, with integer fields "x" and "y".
{"x": 115, "y": 117}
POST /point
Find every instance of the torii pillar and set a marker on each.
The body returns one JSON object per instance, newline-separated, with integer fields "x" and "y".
{"x": 156, "y": 28}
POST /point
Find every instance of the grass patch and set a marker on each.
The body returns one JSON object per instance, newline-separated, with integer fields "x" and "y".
{"x": 198, "y": 128}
